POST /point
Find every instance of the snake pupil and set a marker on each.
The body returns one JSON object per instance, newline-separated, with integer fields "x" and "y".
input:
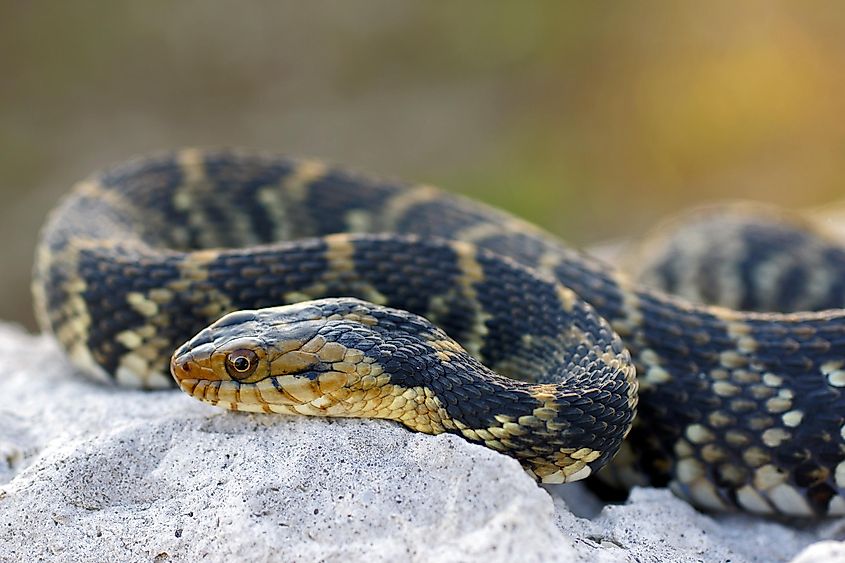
{"x": 241, "y": 363}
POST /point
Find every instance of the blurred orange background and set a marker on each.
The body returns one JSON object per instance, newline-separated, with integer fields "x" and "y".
{"x": 589, "y": 119}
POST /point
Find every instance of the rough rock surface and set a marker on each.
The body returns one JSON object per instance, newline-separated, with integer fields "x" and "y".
{"x": 89, "y": 472}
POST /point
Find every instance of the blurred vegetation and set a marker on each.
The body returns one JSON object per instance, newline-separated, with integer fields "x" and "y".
{"x": 589, "y": 119}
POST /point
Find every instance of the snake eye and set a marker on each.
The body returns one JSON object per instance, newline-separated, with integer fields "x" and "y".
{"x": 240, "y": 364}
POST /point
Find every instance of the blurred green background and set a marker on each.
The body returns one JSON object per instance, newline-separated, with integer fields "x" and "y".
{"x": 590, "y": 119}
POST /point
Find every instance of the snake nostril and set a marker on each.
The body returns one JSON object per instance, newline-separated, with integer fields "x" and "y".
{"x": 181, "y": 367}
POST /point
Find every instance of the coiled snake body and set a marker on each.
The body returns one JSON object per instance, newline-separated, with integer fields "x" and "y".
{"x": 736, "y": 409}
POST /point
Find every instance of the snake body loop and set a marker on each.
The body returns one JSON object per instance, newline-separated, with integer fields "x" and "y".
{"x": 737, "y": 410}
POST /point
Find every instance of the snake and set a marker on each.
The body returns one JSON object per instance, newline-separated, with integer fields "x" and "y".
{"x": 268, "y": 284}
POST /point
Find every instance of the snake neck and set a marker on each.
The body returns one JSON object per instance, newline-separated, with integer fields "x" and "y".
{"x": 551, "y": 428}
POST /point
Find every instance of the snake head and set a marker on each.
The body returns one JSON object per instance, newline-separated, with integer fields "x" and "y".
{"x": 272, "y": 360}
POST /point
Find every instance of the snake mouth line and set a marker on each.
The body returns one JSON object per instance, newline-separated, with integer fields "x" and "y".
{"x": 286, "y": 394}
{"x": 229, "y": 395}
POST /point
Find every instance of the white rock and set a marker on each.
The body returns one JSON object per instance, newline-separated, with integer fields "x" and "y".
{"x": 89, "y": 472}
{"x": 823, "y": 552}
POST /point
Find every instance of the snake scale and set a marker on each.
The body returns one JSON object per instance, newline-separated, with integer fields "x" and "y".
{"x": 290, "y": 286}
